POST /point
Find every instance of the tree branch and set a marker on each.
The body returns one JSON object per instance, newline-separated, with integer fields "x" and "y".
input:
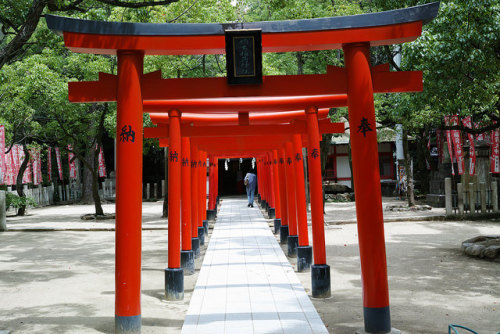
{"x": 11, "y": 50}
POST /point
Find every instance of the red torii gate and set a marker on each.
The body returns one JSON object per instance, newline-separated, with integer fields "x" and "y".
{"x": 130, "y": 87}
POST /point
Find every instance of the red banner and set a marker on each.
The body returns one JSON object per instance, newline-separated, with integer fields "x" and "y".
{"x": 448, "y": 140}
{"x": 59, "y": 163}
{"x": 102, "y": 164}
{"x": 457, "y": 143}
{"x": 3, "y": 171}
{"x": 49, "y": 164}
{"x": 467, "y": 121}
{"x": 495, "y": 156}
{"x": 72, "y": 163}
{"x": 10, "y": 168}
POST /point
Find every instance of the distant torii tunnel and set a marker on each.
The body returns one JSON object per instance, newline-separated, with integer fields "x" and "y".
{"x": 270, "y": 120}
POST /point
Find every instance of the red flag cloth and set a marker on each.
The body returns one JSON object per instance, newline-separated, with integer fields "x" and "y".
{"x": 10, "y": 168}
{"x": 59, "y": 163}
{"x": 495, "y": 151}
{"x": 72, "y": 163}
{"x": 457, "y": 143}
{"x": 448, "y": 140}
{"x": 49, "y": 164}
{"x": 467, "y": 121}
{"x": 102, "y": 164}
{"x": 3, "y": 171}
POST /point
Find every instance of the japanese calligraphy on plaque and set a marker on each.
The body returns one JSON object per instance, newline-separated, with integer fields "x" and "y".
{"x": 244, "y": 56}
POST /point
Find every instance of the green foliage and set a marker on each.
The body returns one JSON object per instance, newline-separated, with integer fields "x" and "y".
{"x": 12, "y": 200}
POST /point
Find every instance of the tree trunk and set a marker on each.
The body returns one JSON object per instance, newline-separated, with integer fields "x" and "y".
{"x": 409, "y": 177}
{"x": 21, "y": 211}
{"x": 165, "y": 200}
{"x": 95, "y": 184}
{"x": 87, "y": 180}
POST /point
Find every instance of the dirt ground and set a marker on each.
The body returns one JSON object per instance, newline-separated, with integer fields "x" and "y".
{"x": 63, "y": 281}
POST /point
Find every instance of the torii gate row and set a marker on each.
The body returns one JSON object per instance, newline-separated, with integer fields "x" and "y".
{"x": 358, "y": 79}
{"x": 245, "y": 138}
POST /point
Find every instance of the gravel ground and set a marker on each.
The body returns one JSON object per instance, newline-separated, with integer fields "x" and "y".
{"x": 63, "y": 281}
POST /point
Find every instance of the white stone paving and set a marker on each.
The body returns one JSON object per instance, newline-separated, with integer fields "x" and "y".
{"x": 246, "y": 284}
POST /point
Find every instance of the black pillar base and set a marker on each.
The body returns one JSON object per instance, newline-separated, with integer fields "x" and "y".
{"x": 128, "y": 324}
{"x": 187, "y": 262}
{"x": 195, "y": 245}
{"x": 211, "y": 214}
{"x": 293, "y": 242}
{"x": 277, "y": 225}
{"x": 304, "y": 258}
{"x": 263, "y": 204}
{"x": 174, "y": 284}
{"x": 283, "y": 234}
{"x": 320, "y": 281}
{"x": 218, "y": 200}
{"x": 205, "y": 226}
{"x": 258, "y": 198}
{"x": 378, "y": 320}
{"x": 201, "y": 235}
{"x": 272, "y": 213}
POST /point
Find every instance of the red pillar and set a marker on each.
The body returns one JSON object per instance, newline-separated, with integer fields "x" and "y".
{"x": 195, "y": 202}
{"x": 320, "y": 271}
{"x": 186, "y": 194}
{"x": 187, "y": 254}
{"x": 290, "y": 188}
{"x": 211, "y": 202}
{"x": 272, "y": 205}
{"x": 367, "y": 188}
{"x": 282, "y": 185}
{"x": 284, "y": 230}
{"x": 277, "y": 199}
{"x": 204, "y": 190}
{"x": 128, "y": 193}
{"x": 300, "y": 191}
{"x": 174, "y": 279}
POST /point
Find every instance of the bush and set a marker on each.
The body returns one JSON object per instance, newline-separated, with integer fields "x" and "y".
{"x": 17, "y": 202}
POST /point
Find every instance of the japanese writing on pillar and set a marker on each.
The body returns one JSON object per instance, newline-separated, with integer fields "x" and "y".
{"x": 125, "y": 135}
{"x": 314, "y": 153}
{"x": 185, "y": 162}
{"x": 173, "y": 156}
{"x": 282, "y": 161}
{"x": 297, "y": 157}
{"x": 364, "y": 127}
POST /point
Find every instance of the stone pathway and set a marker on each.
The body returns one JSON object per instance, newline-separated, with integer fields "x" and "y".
{"x": 246, "y": 284}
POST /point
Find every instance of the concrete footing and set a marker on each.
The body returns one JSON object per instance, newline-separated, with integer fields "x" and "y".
{"x": 205, "y": 226}
{"x": 277, "y": 225}
{"x": 283, "y": 234}
{"x": 293, "y": 242}
{"x": 320, "y": 281}
{"x": 272, "y": 213}
{"x": 187, "y": 262}
{"x": 201, "y": 235}
{"x": 125, "y": 324}
{"x": 211, "y": 214}
{"x": 195, "y": 246}
{"x": 174, "y": 284}
{"x": 304, "y": 258}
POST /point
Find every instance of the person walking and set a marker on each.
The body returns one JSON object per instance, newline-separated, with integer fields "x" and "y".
{"x": 250, "y": 182}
